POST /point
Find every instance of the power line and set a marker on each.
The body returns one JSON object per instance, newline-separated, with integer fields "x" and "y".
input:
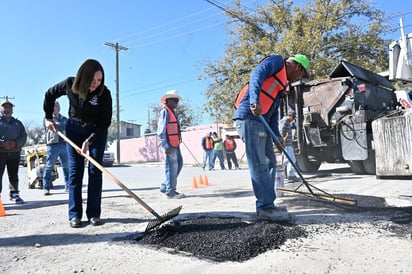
{"x": 174, "y": 28}
{"x": 175, "y": 36}
{"x": 164, "y": 24}
{"x": 159, "y": 87}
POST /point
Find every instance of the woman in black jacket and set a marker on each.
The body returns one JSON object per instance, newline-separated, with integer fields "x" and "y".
{"x": 90, "y": 115}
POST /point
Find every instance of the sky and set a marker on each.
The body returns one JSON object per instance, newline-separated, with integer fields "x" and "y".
{"x": 167, "y": 41}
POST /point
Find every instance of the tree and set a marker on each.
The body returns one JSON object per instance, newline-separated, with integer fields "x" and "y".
{"x": 35, "y": 134}
{"x": 184, "y": 111}
{"x": 326, "y": 31}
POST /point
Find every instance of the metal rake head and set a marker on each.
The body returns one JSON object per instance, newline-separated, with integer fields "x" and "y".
{"x": 165, "y": 217}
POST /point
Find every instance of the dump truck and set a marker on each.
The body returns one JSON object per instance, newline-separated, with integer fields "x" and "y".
{"x": 335, "y": 115}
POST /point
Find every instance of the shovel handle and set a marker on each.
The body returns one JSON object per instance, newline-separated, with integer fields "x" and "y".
{"x": 107, "y": 173}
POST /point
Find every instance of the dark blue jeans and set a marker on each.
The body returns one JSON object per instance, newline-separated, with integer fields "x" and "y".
{"x": 78, "y": 134}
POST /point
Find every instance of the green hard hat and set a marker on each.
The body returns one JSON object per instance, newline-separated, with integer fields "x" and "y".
{"x": 303, "y": 61}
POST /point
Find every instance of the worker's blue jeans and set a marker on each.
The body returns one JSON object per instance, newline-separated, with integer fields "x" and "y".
{"x": 208, "y": 155}
{"x": 53, "y": 152}
{"x": 219, "y": 155}
{"x": 173, "y": 166}
{"x": 78, "y": 134}
{"x": 261, "y": 161}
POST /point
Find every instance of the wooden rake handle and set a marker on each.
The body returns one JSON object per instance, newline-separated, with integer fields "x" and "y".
{"x": 107, "y": 173}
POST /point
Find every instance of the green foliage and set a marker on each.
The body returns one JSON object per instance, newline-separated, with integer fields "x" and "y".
{"x": 326, "y": 31}
{"x": 186, "y": 114}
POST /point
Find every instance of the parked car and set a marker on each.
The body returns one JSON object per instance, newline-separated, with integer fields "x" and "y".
{"x": 108, "y": 158}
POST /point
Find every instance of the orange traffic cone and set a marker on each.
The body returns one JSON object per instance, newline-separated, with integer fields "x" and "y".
{"x": 206, "y": 181}
{"x": 194, "y": 184}
{"x": 2, "y": 211}
{"x": 200, "y": 180}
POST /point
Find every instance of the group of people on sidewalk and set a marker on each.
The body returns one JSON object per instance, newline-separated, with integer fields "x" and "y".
{"x": 215, "y": 148}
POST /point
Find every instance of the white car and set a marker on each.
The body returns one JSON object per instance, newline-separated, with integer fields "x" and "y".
{"x": 108, "y": 158}
{"x": 404, "y": 98}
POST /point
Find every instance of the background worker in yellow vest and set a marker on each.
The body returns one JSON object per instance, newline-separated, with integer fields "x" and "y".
{"x": 169, "y": 135}
{"x": 218, "y": 150}
{"x": 230, "y": 146}
{"x": 207, "y": 145}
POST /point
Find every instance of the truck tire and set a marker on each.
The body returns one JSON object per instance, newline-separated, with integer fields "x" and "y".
{"x": 357, "y": 167}
{"x": 305, "y": 164}
{"x": 370, "y": 163}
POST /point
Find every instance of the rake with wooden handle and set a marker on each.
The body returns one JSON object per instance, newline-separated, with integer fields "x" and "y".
{"x": 322, "y": 195}
{"x": 152, "y": 224}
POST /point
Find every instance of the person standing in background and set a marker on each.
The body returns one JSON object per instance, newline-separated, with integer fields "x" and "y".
{"x": 218, "y": 150}
{"x": 230, "y": 146}
{"x": 169, "y": 135}
{"x": 285, "y": 128}
{"x": 207, "y": 145}
{"x": 13, "y": 137}
{"x": 56, "y": 148}
{"x": 90, "y": 115}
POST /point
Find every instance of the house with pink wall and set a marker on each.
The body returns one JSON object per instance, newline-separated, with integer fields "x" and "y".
{"x": 146, "y": 149}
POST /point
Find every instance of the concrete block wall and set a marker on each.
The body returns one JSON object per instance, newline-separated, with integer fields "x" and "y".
{"x": 145, "y": 149}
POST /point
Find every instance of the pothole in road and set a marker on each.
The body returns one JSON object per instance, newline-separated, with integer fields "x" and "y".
{"x": 221, "y": 239}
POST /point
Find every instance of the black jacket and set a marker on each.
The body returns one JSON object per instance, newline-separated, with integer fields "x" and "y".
{"x": 95, "y": 109}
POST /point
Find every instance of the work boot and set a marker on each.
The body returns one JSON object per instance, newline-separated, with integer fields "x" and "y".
{"x": 75, "y": 222}
{"x": 273, "y": 214}
{"x": 293, "y": 179}
{"x": 175, "y": 195}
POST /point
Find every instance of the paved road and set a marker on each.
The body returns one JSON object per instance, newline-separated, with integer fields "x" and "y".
{"x": 36, "y": 237}
{"x": 141, "y": 178}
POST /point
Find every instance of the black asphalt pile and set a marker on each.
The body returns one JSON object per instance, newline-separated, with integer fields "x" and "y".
{"x": 222, "y": 239}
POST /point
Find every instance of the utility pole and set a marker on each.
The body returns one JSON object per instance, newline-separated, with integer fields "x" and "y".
{"x": 6, "y": 97}
{"x": 117, "y": 47}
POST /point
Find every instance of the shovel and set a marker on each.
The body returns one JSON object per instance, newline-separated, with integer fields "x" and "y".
{"x": 152, "y": 224}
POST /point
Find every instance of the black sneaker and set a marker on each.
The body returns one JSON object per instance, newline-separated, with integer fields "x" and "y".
{"x": 16, "y": 198}
{"x": 95, "y": 221}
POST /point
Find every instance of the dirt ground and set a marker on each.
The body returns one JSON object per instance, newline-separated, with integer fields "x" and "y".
{"x": 216, "y": 231}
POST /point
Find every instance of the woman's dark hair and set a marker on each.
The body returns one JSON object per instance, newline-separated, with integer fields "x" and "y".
{"x": 84, "y": 78}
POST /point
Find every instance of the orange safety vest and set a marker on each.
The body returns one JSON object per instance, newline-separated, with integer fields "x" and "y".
{"x": 209, "y": 143}
{"x": 172, "y": 129}
{"x": 229, "y": 145}
{"x": 271, "y": 87}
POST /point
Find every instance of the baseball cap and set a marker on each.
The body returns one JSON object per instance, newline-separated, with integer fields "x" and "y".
{"x": 292, "y": 112}
{"x": 303, "y": 61}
